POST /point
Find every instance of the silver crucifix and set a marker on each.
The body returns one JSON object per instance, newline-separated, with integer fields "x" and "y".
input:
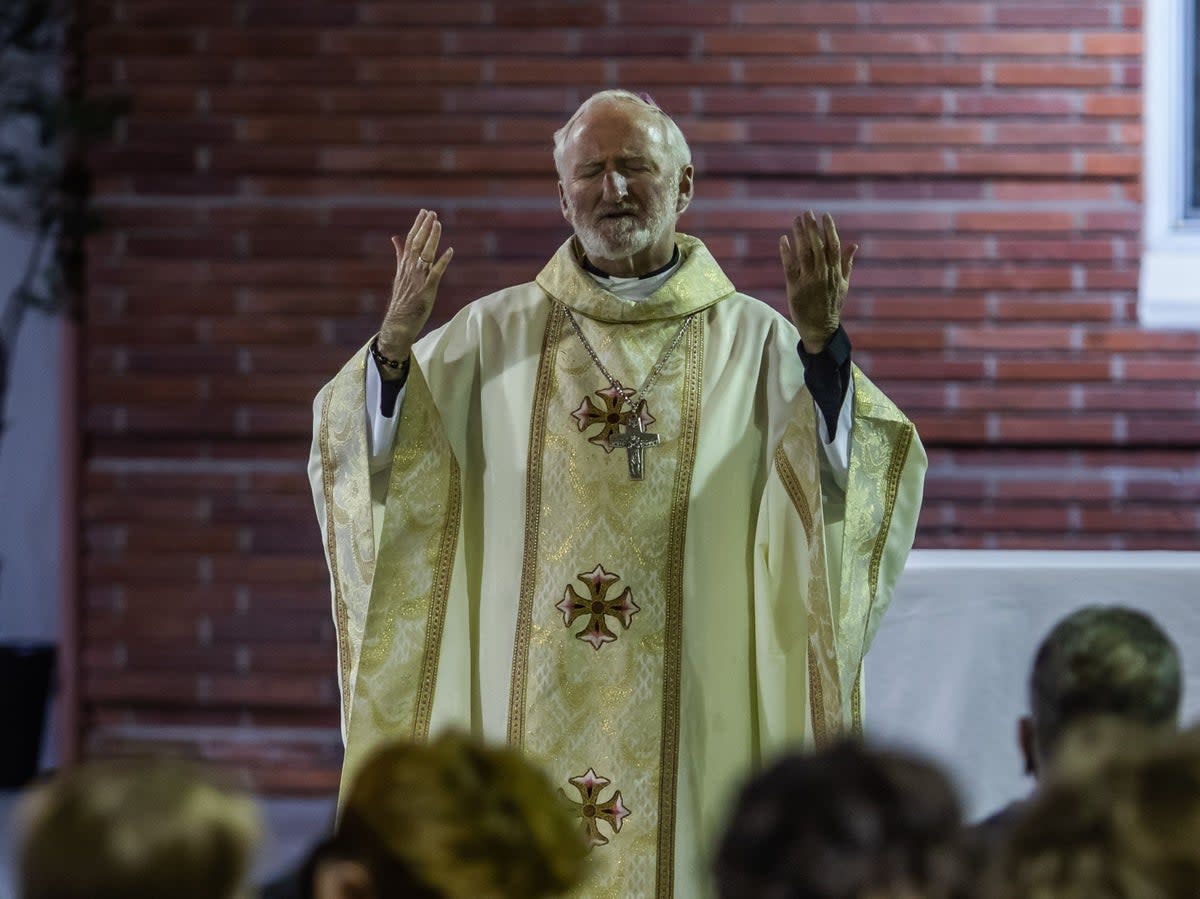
{"x": 634, "y": 440}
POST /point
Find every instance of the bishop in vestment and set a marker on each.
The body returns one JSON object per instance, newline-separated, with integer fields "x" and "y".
{"x": 623, "y": 517}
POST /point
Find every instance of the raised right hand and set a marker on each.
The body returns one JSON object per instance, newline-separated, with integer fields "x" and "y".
{"x": 415, "y": 286}
{"x": 817, "y": 272}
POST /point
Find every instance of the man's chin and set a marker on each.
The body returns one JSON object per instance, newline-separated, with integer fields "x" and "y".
{"x": 610, "y": 246}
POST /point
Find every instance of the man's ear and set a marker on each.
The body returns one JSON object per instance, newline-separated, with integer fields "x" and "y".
{"x": 686, "y": 186}
{"x": 1027, "y": 740}
{"x": 562, "y": 202}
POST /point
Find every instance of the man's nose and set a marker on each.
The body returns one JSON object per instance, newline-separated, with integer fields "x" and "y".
{"x": 615, "y": 186}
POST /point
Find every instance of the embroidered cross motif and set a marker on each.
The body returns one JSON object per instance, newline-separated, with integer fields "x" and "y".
{"x": 611, "y": 418}
{"x": 623, "y": 608}
{"x": 592, "y": 811}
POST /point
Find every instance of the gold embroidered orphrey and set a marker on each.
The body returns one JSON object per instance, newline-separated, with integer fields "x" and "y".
{"x": 621, "y": 705}
{"x": 596, "y": 605}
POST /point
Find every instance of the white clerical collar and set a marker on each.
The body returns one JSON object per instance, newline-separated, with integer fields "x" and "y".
{"x": 635, "y": 289}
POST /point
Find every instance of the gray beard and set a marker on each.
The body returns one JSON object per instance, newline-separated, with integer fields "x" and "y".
{"x": 622, "y": 238}
{"x": 616, "y": 241}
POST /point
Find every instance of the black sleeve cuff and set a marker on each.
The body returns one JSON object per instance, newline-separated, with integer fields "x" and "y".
{"x": 390, "y": 391}
{"x": 827, "y": 376}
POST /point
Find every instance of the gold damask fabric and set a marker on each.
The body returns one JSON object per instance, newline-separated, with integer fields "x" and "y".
{"x": 885, "y": 446}
{"x": 648, "y": 642}
{"x": 843, "y": 602}
{"x": 407, "y": 609}
{"x": 341, "y": 492}
{"x": 399, "y": 602}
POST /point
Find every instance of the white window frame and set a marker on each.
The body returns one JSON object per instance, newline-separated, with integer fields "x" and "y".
{"x": 1169, "y": 282}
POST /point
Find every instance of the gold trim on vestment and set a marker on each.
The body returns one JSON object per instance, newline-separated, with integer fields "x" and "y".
{"x": 817, "y": 590}
{"x": 816, "y": 700}
{"x": 795, "y": 490}
{"x": 437, "y": 606}
{"x": 856, "y": 720}
{"x": 533, "y": 511}
{"x": 341, "y": 616}
{"x": 892, "y": 481}
{"x": 693, "y": 384}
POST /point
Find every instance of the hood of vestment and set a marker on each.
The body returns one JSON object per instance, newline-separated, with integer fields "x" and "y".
{"x": 697, "y": 284}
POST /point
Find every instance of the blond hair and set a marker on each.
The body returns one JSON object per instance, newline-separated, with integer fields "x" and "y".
{"x": 462, "y": 820}
{"x": 126, "y": 830}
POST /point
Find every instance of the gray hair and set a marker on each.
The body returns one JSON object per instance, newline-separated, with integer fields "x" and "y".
{"x": 676, "y": 142}
{"x": 1104, "y": 660}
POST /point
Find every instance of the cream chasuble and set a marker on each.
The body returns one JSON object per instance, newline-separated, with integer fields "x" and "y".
{"x": 647, "y": 642}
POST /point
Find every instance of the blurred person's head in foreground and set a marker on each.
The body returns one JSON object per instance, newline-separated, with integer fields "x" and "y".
{"x": 450, "y": 819}
{"x": 1119, "y": 818}
{"x": 132, "y": 829}
{"x": 1100, "y": 661}
{"x": 847, "y": 822}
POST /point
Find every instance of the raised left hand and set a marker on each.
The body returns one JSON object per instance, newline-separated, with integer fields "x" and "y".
{"x": 818, "y": 277}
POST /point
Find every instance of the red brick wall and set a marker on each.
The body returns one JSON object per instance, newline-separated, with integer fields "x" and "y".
{"x": 985, "y": 154}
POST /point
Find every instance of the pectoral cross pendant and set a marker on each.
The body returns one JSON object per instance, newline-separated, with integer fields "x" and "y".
{"x": 634, "y": 440}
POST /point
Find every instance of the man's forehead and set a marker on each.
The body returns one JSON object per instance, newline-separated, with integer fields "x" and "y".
{"x": 619, "y": 127}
